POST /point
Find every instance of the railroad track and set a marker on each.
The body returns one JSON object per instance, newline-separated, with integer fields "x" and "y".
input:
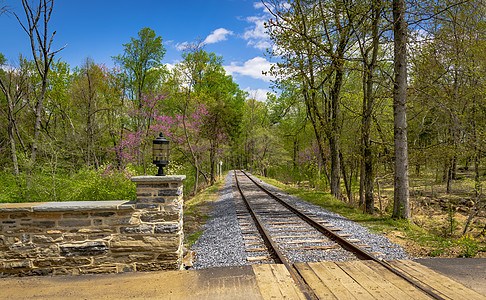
{"x": 276, "y": 231}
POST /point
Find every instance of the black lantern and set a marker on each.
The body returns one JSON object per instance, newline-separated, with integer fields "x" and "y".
{"x": 160, "y": 153}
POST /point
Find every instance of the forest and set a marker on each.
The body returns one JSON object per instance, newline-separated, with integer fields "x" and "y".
{"x": 381, "y": 103}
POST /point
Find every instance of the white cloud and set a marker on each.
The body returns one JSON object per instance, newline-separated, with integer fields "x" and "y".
{"x": 170, "y": 67}
{"x": 217, "y": 35}
{"x": 258, "y": 5}
{"x": 181, "y": 46}
{"x": 258, "y": 94}
{"x": 253, "y": 68}
{"x": 256, "y": 35}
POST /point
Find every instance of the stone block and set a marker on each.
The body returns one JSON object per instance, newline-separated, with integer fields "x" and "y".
{"x": 50, "y": 216}
{"x": 41, "y": 272}
{"x": 157, "y": 216}
{"x": 141, "y": 257}
{"x": 97, "y": 222}
{"x": 143, "y": 243}
{"x": 18, "y": 264}
{"x": 176, "y": 207}
{"x": 122, "y": 268}
{"x": 74, "y": 223}
{"x": 51, "y": 251}
{"x": 168, "y": 256}
{"x": 90, "y": 230}
{"x": 147, "y": 206}
{"x": 103, "y": 214}
{"x": 84, "y": 249}
{"x": 75, "y": 237}
{"x": 144, "y": 228}
{"x": 79, "y": 261}
{"x": 62, "y": 271}
{"x": 44, "y": 239}
{"x": 50, "y": 262}
{"x": 144, "y": 194}
{"x": 167, "y": 228}
{"x": 128, "y": 220}
{"x": 44, "y": 224}
{"x": 54, "y": 232}
{"x": 75, "y": 215}
{"x": 14, "y": 216}
{"x": 162, "y": 265}
{"x": 169, "y": 192}
{"x": 151, "y": 200}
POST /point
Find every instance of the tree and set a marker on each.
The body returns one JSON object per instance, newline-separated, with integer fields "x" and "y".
{"x": 36, "y": 27}
{"x": 401, "y": 206}
{"x": 312, "y": 40}
{"x": 13, "y": 84}
{"x": 142, "y": 61}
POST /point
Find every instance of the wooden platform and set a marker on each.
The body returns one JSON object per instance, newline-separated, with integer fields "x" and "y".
{"x": 358, "y": 280}
{"x": 329, "y": 280}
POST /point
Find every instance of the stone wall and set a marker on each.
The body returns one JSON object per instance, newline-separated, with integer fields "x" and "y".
{"x": 95, "y": 237}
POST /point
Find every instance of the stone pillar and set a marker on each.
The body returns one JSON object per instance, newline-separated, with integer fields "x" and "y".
{"x": 160, "y": 199}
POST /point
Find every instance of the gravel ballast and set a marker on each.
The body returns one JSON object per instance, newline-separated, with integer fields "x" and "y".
{"x": 221, "y": 243}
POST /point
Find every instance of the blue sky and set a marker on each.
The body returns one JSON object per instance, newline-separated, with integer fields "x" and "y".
{"x": 232, "y": 29}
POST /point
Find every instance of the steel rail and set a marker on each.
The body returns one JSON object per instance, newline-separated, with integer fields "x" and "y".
{"x": 272, "y": 247}
{"x": 360, "y": 253}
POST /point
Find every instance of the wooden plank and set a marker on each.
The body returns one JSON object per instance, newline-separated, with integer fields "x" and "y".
{"x": 296, "y": 236}
{"x": 287, "y": 285}
{"x": 288, "y": 226}
{"x": 436, "y": 281}
{"x": 471, "y": 294}
{"x": 275, "y": 282}
{"x": 341, "y": 285}
{"x": 312, "y": 248}
{"x": 266, "y": 282}
{"x": 307, "y": 241}
{"x": 253, "y": 243}
{"x": 320, "y": 289}
{"x": 284, "y": 222}
{"x": 256, "y": 249}
{"x": 397, "y": 281}
{"x": 376, "y": 285}
{"x": 257, "y": 258}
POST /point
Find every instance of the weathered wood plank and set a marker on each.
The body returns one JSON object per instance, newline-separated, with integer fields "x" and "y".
{"x": 320, "y": 289}
{"x": 438, "y": 282}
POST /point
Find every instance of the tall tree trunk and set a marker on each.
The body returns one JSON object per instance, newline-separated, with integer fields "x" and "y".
{"x": 335, "y": 127}
{"x": 11, "y": 125}
{"x": 11, "y": 135}
{"x": 368, "y": 102}
{"x": 401, "y": 206}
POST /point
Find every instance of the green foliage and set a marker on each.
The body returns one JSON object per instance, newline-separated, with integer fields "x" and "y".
{"x": 142, "y": 60}
{"x": 469, "y": 246}
{"x": 191, "y": 238}
{"x": 452, "y": 224}
{"x": 86, "y": 185}
{"x": 92, "y": 185}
